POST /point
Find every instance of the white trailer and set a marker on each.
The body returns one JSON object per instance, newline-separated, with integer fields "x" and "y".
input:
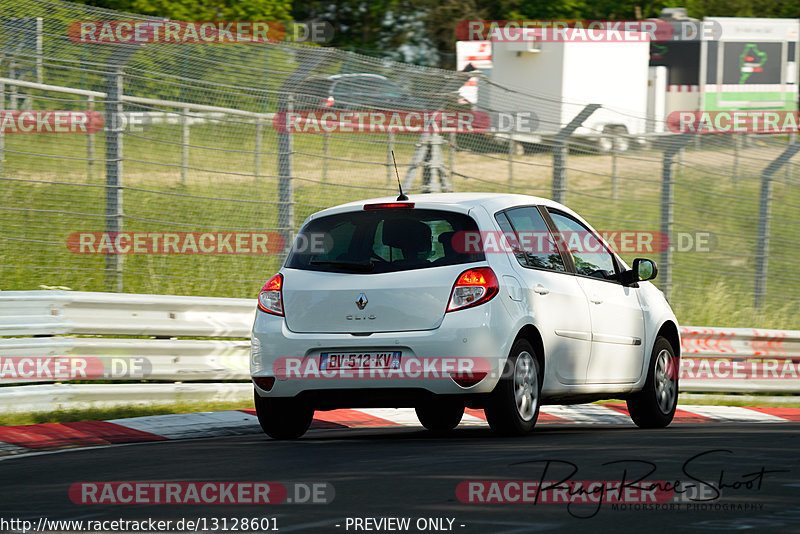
{"x": 556, "y": 80}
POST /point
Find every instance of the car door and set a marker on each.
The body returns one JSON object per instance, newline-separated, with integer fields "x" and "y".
{"x": 558, "y": 303}
{"x": 616, "y": 313}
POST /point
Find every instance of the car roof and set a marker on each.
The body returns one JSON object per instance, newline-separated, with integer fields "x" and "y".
{"x": 456, "y": 201}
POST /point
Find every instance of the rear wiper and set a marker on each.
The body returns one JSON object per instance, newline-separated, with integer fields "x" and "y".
{"x": 358, "y": 266}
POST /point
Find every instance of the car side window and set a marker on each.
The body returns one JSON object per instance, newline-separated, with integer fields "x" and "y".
{"x": 591, "y": 256}
{"x": 535, "y": 245}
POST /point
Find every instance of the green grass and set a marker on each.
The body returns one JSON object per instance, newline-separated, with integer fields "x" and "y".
{"x": 120, "y": 412}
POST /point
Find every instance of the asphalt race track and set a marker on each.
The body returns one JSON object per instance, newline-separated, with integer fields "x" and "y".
{"x": 408, "y": 473}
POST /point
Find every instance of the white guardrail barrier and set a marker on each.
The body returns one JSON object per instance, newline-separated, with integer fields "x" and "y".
{"x": 92, "y": 335}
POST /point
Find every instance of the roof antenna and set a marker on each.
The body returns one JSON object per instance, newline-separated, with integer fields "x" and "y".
{"x": 402, "y": 195}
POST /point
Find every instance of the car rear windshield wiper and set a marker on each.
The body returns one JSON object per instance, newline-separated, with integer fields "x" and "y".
{"x": 356, "y": 266}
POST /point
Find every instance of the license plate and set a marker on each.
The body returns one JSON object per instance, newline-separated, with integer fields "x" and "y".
{"x": 359, "y": 360}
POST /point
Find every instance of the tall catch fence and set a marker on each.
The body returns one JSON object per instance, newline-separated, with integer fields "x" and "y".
{"x": 190, "y": 144}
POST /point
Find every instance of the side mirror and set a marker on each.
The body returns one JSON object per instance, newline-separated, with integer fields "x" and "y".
{"x": 645, "y": 269}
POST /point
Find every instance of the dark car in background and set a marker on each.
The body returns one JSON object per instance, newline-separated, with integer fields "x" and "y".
{"x": 359, "y": 91}
{"x": 365, "y": 91}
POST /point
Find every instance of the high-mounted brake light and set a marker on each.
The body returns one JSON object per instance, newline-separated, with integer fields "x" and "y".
{"x": 472, "y": 288}
{"x": 388, "y": 205}
{"x": 270, "y": 298}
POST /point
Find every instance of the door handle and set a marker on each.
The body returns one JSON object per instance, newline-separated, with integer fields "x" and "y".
{"x": 540, "y": 289}
{"x": 596, "y": 300}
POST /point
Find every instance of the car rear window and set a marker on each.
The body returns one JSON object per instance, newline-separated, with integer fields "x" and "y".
{"x": 365, "y": 86}
{"x": 382, "y": 241}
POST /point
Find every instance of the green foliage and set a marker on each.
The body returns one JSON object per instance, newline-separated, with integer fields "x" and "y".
{"x": 118, "y": 412}
{"x": 201, "y": 10}
{"x": 423, "y": 31}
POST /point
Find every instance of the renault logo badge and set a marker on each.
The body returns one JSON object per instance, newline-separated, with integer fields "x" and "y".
{"x": 361, "y": 301}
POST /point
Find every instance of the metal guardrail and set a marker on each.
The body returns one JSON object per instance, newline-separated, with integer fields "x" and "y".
{"x": 36, "y": 313}
{"x": 49, "y": 397}
{"x": 51, "y": 324}
{"x": 740, "y": 360}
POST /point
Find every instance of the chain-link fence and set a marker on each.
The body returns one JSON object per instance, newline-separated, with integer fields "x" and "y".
{"x": 195, "y": 143}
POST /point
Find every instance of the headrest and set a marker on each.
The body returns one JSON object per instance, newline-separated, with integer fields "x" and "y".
{"x": 409, "y": 235}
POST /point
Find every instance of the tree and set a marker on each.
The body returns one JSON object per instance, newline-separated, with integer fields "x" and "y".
{"x": 203, "y": 9}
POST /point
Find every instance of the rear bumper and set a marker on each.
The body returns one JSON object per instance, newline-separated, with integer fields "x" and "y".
{"x": 475, "y": 333}
{"x": 333, "y": 399}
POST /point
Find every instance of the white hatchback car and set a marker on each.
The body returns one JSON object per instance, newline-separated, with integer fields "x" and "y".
{"x": 494, "y": 301}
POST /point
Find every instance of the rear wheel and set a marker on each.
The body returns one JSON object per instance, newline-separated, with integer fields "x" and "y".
{"x": 283, "y": 418}
{"x": 654, "y": 406}
{"x": 514, "y": 405}
{"x": 440, "y": 415}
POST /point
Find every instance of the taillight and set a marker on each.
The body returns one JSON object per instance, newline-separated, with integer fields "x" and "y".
{"x": 473, "y": 287}
{"x": 388, "y": 205}
{"x": 328, "y": 102}
{"x": 270, "y": 298}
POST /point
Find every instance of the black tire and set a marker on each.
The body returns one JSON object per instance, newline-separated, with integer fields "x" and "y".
{"x": 283, "y": 418}
{"x": 507, "y": 412}
{"x": 654, "y": 406}
{"x": 440, "y": 415}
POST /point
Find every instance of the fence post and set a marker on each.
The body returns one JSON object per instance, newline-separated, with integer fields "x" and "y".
{"x": 184, "y": 144}
{"x": 325, "y": 153}
{"x": 90, "y": 145}
{"x": 765, "y": 208}
{"x": 613, "y": 170}
{"x": 452, "y": 159}
{"x": 12, "y": 97}
{"x": 560, "y": 152}
{"x": 390, "y": 174}
{"x": 285, "y": 187}
{"x": 2, "y": 135}
{"x": 674, "y": 147}
{"x": 511, "y": 148}
{"x": 257, "y": 149}
{"x": 286, "y": 103}
{"x": 114, "y": 153}
{"x": 39, "y": 55}
{"x": 114, "y": 211}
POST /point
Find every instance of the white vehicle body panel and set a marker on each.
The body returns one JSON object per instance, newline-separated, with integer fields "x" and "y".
{"x": 589, "y": 348}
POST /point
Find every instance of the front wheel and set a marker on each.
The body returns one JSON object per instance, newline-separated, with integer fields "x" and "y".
{"x": 283, "y": 418}
{"x": 514, "y": 405}
{"x": 654, "y": 406}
